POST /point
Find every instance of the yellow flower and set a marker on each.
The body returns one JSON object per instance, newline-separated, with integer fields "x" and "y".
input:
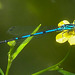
{"x": 66, "y": 35}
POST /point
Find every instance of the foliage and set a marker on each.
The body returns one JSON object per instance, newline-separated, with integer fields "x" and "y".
{"x": 12, "y": 55}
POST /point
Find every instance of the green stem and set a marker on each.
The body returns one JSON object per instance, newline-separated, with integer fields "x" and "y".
{"x": 9, "y": 61}
{"x": 8, "y": 67}
{"x": 49, "y": 68}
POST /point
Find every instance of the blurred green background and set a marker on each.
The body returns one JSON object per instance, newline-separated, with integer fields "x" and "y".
{"x": 41, "y": 52}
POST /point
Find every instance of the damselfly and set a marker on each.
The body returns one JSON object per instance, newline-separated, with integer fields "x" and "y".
{"x": 61, "y": 27}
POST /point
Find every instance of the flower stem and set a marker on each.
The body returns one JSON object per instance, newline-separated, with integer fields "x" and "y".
{"x": 8, "y": 67}
{"x": 50, "y": 68}
{"x": 9, "y": 61}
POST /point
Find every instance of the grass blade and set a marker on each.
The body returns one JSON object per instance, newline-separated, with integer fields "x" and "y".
{"x": 24, "y": 43}
{"x": 1, "y": 72}
{"x": 64, "y": 72}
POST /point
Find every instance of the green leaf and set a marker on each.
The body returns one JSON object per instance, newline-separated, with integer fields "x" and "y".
{"x": 24, "y": 43}
{"x": 2, "y": 73}
{"x": 64, "y": 72}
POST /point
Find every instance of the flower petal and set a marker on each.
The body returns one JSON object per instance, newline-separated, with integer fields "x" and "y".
{"x": 63, "y": 22}
{"x": 72, "y": 40}
{"x": 62, "y": 37}
{"x": 74, "y": 22}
